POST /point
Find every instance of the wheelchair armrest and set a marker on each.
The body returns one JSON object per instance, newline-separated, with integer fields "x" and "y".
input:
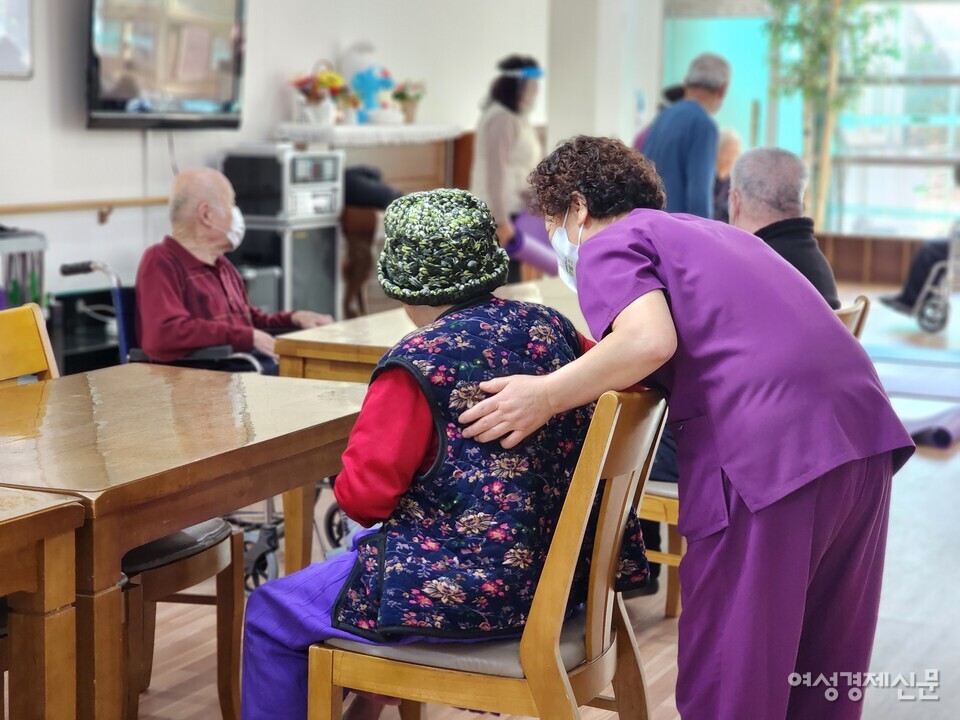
{"x": 207, "y": 358}
{"x": 214, "y": 352}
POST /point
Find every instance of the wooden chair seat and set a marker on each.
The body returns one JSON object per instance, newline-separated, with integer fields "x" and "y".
{"x": 178, "y": 546}
{"x": 495, "y": 657}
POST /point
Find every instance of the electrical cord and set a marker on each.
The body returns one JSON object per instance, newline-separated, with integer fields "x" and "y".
{"x": 173, "y": 154}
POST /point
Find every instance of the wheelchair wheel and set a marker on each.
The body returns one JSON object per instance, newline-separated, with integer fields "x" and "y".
{"x": 934, "y": 314}
{"x": 334, "y": 526}
{"x": 258, "y": 569}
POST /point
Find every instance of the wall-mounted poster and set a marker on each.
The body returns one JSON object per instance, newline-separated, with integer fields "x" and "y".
{"x": 16, "y": 54}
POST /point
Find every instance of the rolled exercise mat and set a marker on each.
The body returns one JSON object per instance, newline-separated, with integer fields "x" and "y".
{"x": 940, "y": 431}
{"x": 531, "y": 245}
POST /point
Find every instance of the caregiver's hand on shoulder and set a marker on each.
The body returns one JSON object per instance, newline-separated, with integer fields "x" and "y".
{"x": 520, "y": 404}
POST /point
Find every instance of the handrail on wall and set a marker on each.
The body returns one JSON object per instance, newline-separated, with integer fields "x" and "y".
{"x": 103, "y": 207}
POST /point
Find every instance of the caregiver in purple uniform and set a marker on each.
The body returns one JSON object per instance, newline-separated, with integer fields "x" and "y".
{"x": 786, "y": 441}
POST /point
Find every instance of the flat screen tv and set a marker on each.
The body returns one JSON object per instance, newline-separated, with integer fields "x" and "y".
{"x": 165, "y": 63}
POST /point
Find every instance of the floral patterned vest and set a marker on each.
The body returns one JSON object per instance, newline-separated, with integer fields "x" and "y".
{"x": 461, "y": 555}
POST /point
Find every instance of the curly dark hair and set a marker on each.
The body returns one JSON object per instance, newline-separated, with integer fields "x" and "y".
{"x": 612, "y": 177}
{"x": 506, "y": 89}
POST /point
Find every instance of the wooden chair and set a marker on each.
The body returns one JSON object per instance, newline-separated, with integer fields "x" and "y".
{"x": 26, "y": 348}
{"x": 4, "y": 653}
{"x": 555, "y": 666}
{"x": 855, "y": 316}
{"x": 661, "y": 501}
{"x": 158, "y": 572}
{"x": 159, "y": 568}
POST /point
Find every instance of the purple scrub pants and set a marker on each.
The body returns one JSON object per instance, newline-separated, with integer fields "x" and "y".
{"x": 283, "y": 619}
{"x": 794, "y": 587}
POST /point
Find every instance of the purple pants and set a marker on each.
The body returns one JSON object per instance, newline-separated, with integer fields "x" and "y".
{"x": 284, "y": 618}
{"x": 792, "y": 588}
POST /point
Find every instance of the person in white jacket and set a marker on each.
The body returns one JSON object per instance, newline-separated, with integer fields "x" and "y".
{"x": 507, "y": 148}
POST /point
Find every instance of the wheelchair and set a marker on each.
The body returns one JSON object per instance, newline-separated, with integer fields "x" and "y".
{"x": 261, "y": 530}
{"x": 933, "y": 311}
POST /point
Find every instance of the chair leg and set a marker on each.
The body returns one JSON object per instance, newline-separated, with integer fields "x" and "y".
{"x": 149, "y": 635}
{"x": 629, "y": 684}
{"x": 549, "y": 686}
{"x": 133, "y": 648}
{"x": 410, "y": 710}
{"x": 229, "y": 629}
{"x": 673, "y": 573}
{"x": 4, "y": 664}
{"x": 325, "y": 700}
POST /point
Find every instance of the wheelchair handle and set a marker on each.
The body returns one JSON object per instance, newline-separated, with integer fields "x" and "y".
{"x": 79, "y": 268}
{"x": 89, "y": 266}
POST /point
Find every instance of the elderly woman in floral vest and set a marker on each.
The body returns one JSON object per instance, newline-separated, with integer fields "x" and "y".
{"x": 465, "y": 525}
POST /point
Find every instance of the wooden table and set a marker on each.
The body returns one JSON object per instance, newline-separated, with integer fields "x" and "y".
{"x": 37, "y": 573}
{"x": 149, "y": 450}
{"x": 350, "y": 350}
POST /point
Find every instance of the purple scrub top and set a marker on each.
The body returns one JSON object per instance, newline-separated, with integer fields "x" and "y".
{"x": 767, "y": 385}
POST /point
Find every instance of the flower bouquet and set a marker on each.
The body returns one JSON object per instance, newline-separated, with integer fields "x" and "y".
{"x": 319, "y": 91}
{"x": 409, "y": 94}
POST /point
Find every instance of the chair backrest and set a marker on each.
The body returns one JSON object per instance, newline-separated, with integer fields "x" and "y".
{"x": 25, "y": 346}
{"x": 619, "y": 449}
{"x": 125, "y": 306}
{"x": 855, "y": 316}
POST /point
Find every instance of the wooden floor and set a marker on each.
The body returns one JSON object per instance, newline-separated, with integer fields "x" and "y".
{"x": 920, "y": 611}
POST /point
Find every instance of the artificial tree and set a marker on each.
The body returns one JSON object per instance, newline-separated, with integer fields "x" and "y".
{"x": 813, "y": 44}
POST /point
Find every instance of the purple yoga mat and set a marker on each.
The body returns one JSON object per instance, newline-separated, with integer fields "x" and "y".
{"x": 940, "y": 431}
{"x": 531, "y": 245}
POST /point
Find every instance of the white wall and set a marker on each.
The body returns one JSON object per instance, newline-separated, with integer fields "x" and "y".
{"x": 601, "y": 53}
{"x": 47, "y": 155}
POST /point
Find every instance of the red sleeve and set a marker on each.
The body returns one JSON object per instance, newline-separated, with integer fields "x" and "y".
{"x": 261, "y": 320}
{"x": 393, "y": 440}
{"x": 168, "y": 330}
{"x": 585, "y": 343}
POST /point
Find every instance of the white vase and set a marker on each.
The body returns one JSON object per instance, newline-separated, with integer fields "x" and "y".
{"x": 325, "y": 112}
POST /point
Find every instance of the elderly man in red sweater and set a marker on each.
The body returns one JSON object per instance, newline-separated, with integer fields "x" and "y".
{"x": 189, "y": 295}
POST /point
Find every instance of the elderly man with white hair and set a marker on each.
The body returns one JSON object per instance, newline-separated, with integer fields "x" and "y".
{"x": 682, "y": 142}
{"x": 189, "y": 295}
{"x": 766, "y": 199}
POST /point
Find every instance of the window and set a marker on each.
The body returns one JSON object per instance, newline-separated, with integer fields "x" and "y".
{"x": 896, "y": 145}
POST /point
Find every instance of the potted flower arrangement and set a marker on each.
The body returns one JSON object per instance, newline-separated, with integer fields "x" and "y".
{"x": 409, "y": 94}
{"x": 320, "y": 90}
{"x": 349, "y": 102}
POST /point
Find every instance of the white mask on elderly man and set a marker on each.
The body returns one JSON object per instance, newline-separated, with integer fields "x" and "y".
{"x": 567, "y": 254}
{"x": 238, "y": 227}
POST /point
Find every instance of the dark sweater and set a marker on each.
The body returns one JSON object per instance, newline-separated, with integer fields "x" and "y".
{"x": 794, "y": 241}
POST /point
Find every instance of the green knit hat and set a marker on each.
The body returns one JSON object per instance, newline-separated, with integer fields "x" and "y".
{"x": 440, "y": 249}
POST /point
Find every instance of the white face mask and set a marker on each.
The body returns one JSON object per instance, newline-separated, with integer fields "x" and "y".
{"x": 567, "y": 254}
{"x": 238, "y": 227}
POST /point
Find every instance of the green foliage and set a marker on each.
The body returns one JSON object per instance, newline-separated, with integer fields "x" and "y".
{"x": 805, "y": 31}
